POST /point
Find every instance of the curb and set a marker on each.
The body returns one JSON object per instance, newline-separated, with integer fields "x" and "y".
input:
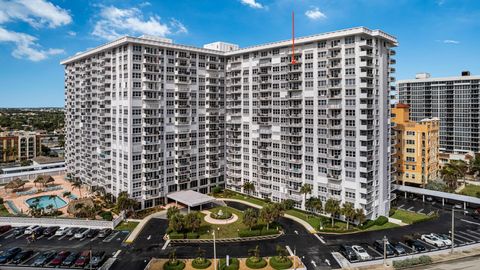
{"x": 225, "y": 240}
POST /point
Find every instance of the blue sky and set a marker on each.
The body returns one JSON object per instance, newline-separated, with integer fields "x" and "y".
{"x": 437, "y": 36}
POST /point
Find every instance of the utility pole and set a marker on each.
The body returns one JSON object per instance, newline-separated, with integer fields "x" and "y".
{"x": 214, "y": 251}
{"x": 385, "y": 250}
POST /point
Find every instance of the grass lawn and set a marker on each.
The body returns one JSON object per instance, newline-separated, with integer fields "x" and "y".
{"x": 471, "y": 190}
{"x": 387, "y": 225}
{"x": 126, "y": 226}
{"x": 221, "y": 231}
{"x": 408, "y": 216}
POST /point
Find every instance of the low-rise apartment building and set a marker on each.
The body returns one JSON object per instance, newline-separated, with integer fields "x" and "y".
{"x": 416, "y": 148}
{"x": 18, "y": 145}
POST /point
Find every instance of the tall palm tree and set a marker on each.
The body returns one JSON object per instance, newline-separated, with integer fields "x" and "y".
{"x": 461, "y": 167}
{"x": 248, "y": 187}
{"x": 450, "y": 176}
{"x": 348, "y": 210}
{"x": 360, "y": 216}
{"x": 332, "y": 207}
{"x": 305, "y": 189}
{"x": 77, "y": 185}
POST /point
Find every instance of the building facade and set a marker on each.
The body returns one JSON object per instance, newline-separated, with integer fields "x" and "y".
{"x": 151, "y": 117}
{"x": 18, "y": 146}
{"x": 417, "y": 148}
{"x": 455, "y": 100}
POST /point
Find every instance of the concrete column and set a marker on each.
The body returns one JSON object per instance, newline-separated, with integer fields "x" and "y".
{"x": 423, "y": 198}
{"x": 443, "y": 201}
{"x": 464, "y": 205}
{"x": 405, "y": 194}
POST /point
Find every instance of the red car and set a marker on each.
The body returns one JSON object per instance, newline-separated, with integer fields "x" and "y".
{"x": 83, "y": 260}
{"x": 59, "y": 258}
{"x": 5, "y": 228}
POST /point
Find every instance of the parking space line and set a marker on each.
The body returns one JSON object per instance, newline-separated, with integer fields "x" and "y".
{"x": 468, "y": 221}
{"x": 473, "y": 235}
{"x": 401, "y": 206}
{"x": 420, "y": 211}
{"x": 16, "y": 237}
{"x": 319, "y": 238}
{"x": 9, "y": 236}
{"x": 166, "y": 244}
{"x": 51, "y": 237}
{"x": 31, "y": 258}
{"x": 464, "y": 235}
{"x": 433, "y": 203}
{"x": 9, "y": 231}
{"x": 63, "y": 236}
{"x": 410, "y": 208}
{"x": 432, "y": 247}
{"x": 474, "y": 232}
{"x": 374, "y": 250}
{"x": 457, "y": 235}
{"x": 407, "y": 247}
{"x": 430, "y": 213}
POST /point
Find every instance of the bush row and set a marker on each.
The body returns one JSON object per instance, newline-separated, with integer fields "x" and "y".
{"x": 422, "y": 260}
{"x": 252, "y": 233}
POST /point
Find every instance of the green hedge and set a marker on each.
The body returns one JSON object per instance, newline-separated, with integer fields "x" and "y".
{"x": 192, "y": 235}
{"x": 275, "y": 263}
{"x": 176, "y": 235}
{"x": 407, "y": 263}
{"x": 234, "y": 264}
{"x": 178, "y": 266}
{"x": 367, "y": 224}
{"x": 251, "y": 263}
{"x": 381, "y": 220}
{"x": 201, "y": 263}
{"x": 252, "y": 233}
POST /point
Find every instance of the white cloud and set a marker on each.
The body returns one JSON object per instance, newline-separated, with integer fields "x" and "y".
{"x": 72, "y": 33}
{"x": 115, "y": 22}
{"x": 315, "y": 14}
{"x": 252, "y": 3}
{"x": 26, "y": 46}
{"x": 37, "y": 13}
{"x": 449, "y": 41}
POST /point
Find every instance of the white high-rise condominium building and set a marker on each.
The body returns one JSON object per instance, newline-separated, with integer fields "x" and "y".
{"x": 151, "y": 117}
{"x": 455, "y": 100}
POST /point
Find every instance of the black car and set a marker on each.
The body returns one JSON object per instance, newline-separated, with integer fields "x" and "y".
{"x": 415, "y": 245}
{"x": 44, "y": 258}
{"x": 348, "y": 252}
{"x": 92, "y": 233}
{"x": 22, "y": 256}
{"x": 9, "y": 254}
{"x": 50, "y": 231}
{"x": 19, "y": 230}
{"x": 378, "y": 245}
{"x": 70, "y": 259}
{"x": 39, "y": 231}
{"x": 97, "y": 258}
{"x": 104, "y": 233}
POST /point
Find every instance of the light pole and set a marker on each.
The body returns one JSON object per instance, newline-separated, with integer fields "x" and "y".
{"x": 214, "y": 251}
{"x": 453, "y": 229}
{"x": 385, "y": 250}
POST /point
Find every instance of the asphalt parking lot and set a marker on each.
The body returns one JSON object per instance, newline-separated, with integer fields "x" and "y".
{"x": 110, "y": 245}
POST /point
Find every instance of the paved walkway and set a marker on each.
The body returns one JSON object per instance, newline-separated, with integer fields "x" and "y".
{"x": 298, "y": 220}
{"x": 211, "y": 220}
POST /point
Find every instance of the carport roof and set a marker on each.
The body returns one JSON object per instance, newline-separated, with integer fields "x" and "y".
{"x": 190, "y": 198}
{"x": 439, "y": 194}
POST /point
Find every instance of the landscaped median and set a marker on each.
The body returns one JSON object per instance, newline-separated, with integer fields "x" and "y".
{"x": 409, "y": 217}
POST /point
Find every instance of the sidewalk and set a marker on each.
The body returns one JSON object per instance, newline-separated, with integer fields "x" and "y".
{"x": 302, "y": 222}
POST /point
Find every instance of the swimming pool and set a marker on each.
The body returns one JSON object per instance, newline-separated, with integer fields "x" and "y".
{"x": 44, "y": 201}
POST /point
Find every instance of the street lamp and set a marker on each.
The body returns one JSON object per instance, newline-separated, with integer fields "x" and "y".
{"x": 385, "y": 240}
{"x": 214, "y": 251}
{"x": 453, "y": 227}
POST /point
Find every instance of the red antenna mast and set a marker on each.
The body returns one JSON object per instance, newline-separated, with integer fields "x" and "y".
{"x": 293, "y": 38}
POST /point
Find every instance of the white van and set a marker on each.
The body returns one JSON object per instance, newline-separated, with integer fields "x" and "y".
{"x": 30, "y": 229}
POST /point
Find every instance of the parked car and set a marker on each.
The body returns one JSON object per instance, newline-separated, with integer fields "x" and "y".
{"x": 398, "y": 249}
{"x": 104, "y": 233}
{"x": 97, "y": 258}
{"x": 38, "y": 231}
{"x": 446, "y": 240}
{"x": 5, "y": 228}
{"x": 29, "y": 230}
{"x": 44, "y": 258}
{"x": 72, "y": 231}
{"x": 9, "y": 254}
{"x": 91, "y": 233}
{"x": 432, "y": 240}
{"x": 19, "y": 230}
{"x": 81, "y": 233}
{"x": 83, "y": 260}
{"x": 62, "y": 255}
{"x": 378, "y": 245}
{"x": 22, "y": 256}
{"x": 61, "y": 231}
{"x": 415, "y": 245}
{"x": 348, "y": 252}
{"x": 361, "y": 253}
{"x": 49, "y": 231}
{"x": 70, "y": 259}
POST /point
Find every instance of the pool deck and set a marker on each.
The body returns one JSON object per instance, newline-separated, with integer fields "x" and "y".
{"x": 22, "y": 206}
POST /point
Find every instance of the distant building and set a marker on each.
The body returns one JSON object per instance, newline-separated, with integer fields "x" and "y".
{"x": 18, "y": 145}
{"x": 416, "y": 145}
{"x": 455, "y": 100}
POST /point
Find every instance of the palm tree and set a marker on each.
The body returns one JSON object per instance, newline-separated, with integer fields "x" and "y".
{"x": 54, "y": 198}
{"x": 332, "y": 207}
{"x": 348, "y": 210}
{"x": 250, "y": 218}
{"x": 360, "y": 216}
{"x": 248, "y": 187}
{"x": 461, "y": 167}
{"x": 450, "y": 176}
{"x": 313, "y": 204}
{"x": 474, "y": 166}
{"x": 305, "y": 189}
{"x": 77, "y": 185}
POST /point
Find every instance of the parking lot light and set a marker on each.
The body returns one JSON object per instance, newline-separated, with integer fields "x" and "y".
{"x": 385, "y": 250}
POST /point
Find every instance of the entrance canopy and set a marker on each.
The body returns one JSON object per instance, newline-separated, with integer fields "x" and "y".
{"x": 190, "y": 198}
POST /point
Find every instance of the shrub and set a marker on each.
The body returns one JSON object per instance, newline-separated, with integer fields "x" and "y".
{"x": 280, "y": 263}
{"x": 392, "y": 211}
{"x": 201, "y": 263}
{"x": 253, "y": 263}
{"x": 381, "y": 220}
{"x": 367, "y": 224}
{"x": 1, "y": 200}
{"x": 288, "y": 204}
{"x": 176, "y": 265}
{"x": 248, "y": 233}
{"x": 234, "y": 264}
{"x": 216, "y": 190}
{"x": 107, "y": 215}
{"x": 407, "y": 263}
{"x": 192, "y": 235}
{"x": 176, "y": 235}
